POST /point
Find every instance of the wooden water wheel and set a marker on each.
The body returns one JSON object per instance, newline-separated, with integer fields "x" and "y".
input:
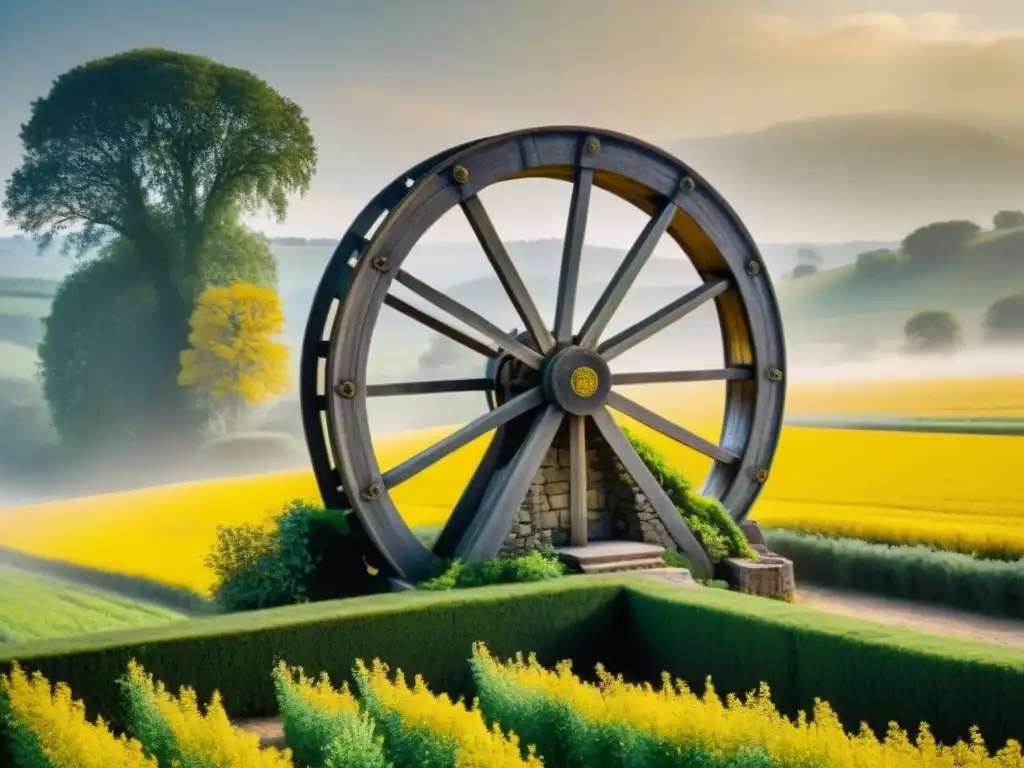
{"x": 553, "y": 376}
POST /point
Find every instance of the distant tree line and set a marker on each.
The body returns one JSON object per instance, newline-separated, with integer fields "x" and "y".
{"x": 939, "y": 330}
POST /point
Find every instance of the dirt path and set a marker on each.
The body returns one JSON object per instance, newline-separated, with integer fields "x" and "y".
{"x": 933, "y": 619}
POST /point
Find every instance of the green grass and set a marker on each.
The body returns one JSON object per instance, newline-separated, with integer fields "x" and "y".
{"x": 16, "y": 361}
{"x": 35, "y": 607}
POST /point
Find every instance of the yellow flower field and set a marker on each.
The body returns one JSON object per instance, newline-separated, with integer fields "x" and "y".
{"x": 959, "y": 491}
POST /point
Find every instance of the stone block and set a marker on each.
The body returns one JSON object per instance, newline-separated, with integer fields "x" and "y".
{"x": 559, "y": 501}
{"x": 563, "y": 457}
{"x": 549, "y": 520}
{"x": 525, "y": 529}
{"x": 766, "y": 576}
{"x": 556, "y": 488}
{"x": 556, "y": 474}
{"x": 524, "y": 515}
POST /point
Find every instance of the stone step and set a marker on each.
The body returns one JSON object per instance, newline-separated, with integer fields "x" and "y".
{"x": 618, "y": 566}
{"x": 608, "y": 552}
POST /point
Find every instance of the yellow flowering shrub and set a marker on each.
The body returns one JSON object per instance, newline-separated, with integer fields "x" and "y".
{"x": 319, "y": 692}
{"x": 174, "y": 728}
{"x": 323, "y": 725}
{"x": 526, "y": 694}
{"x": 45, "y": 728}
{"x": 424, "y": 730}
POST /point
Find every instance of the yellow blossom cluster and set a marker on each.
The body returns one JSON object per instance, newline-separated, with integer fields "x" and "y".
{"x": 318, "y": 693}
{"x": 478, "y": 746}
{"x": 210, "y": 737}
{"x": 58, "y": 724}
{"x": 678, "y": 716}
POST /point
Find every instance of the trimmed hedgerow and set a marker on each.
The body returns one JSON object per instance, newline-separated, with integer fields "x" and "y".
{"x": 574, "y": 616}
{"x": 993, "y": 587}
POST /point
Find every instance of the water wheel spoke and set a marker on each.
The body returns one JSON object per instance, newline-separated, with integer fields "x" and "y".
{"x": 625, "y": 276}
{"x": 480, "y": 426}
{"x": 733, "y": 373}
{"x": 429, "y": 387}
{"x": 577, "y": 480}
{"x": 670, "y": 429}
{"x": 572, "y": 251}
{"x": 661, "y": 319}
{"x": 493, "y": 520}
{"x": 662, "y": 505}
{"x": 466, "y": 315}
{"x": 507, "y": 273}
{"x": 434, "y": 324}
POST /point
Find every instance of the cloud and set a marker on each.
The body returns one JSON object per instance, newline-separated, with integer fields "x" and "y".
{"x": 675, "y": 69}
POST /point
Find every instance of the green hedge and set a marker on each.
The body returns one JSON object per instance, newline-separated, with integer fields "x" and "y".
{"x": 633, "y": 624}
{"x": 431, "y": 633}
{"x": 994, "y": 587}
{"x": 867, "y": 672}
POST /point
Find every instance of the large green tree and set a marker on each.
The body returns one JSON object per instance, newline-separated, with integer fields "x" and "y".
{"x": 156, "y": 149}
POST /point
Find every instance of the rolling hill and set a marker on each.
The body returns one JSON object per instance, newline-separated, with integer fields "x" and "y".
{"x": 843, "y": 177}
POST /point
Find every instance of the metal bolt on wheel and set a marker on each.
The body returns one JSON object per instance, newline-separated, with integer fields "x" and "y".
{"x": 565, "y": 363}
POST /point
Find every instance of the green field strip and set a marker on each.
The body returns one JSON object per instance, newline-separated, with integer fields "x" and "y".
{"x": 35, "y": 607}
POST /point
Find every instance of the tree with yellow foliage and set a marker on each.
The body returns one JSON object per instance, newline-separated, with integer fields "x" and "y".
{"x": 234, "y": 355}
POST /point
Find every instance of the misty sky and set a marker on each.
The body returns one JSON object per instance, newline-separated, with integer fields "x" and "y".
{"x": 387, "y": 82}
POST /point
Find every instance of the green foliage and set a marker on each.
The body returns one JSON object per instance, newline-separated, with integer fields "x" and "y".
{"x": 288, "y": 562}
{"x": 427, "y": 632}
{"x": 879, "y": 263}
{"x": 19, "y": 745}
{"x": 1004, "y": 319}
{"x": 907, "y": 572}
{"x": 710, "y": 522}
{"x": 866, "y": 671}
{"x": 1008, "y": 219}
{"x": 939, "y": 242}
{"x": 207, "y": 140}
{"x": 323, "y": 739}
{"x": 804, "y": 270}
{"x": 98, "y": 321}
{"x": 531, "y": 566}
{"x": 143, "y": 721}
{"x": 933, "y": 330}
{"x": 675, "y": 560}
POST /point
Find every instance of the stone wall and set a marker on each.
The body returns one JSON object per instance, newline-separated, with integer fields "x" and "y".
{"x": 616, "y": 509}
